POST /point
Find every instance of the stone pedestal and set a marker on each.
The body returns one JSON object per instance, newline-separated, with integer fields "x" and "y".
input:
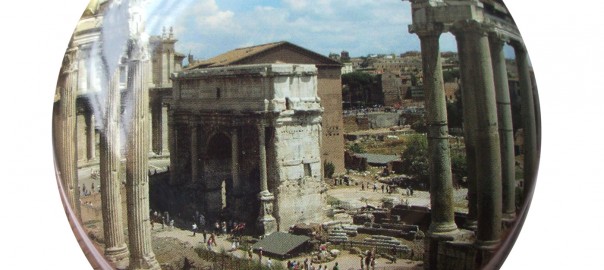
{"x": 267, "y": 224}
{"x": 452, "y": 251}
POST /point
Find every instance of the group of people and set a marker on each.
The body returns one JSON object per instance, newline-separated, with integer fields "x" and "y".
{"x": 307, "y": 265}
{"x": 368, "y": 262}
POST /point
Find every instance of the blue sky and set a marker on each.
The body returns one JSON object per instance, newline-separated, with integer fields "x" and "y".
{"x": 209, "y": 27}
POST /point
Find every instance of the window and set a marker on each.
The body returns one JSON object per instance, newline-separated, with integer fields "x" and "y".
{"x": 217, "y": 92}
{"x": 307, "y": 171}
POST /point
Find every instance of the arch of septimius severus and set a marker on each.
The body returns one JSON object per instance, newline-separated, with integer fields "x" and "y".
{"x": 481, "y": 29}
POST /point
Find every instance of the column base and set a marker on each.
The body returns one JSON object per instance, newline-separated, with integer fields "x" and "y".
{"x": 508, "y": 217}
{"x": 490, "y": 245}
{"x": 267, "y": 224}
{"x": 443, "y": 229}
{"x": 118, "y": 256}
{"x": 144, "y": 263}
{"x": 449, "y": 251}
{"x": 471, "y": 225}
{"x": 485, "y": 250}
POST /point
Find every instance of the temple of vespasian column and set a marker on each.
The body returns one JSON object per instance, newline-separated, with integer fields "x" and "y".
{"x": 481, "y": 29}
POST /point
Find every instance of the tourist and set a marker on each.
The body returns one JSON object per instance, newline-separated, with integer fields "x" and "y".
{"x": 372, "y": 263}
{"x": 213, "y": 239}
{"x": 194, "y": 228}
{"x": 289, "y": 265}
{"x": 363, "y": 186}
{"x": 223, "y": 227}
{"x": 233, "y": 246}
{"x": 374, "y": 187}
{"x": 171, "y": 224}
{"x": 382, "y": 188}
{"x": 250, "y": 253}
{"x": 260, "y": 255}
{"x": 335, "y": 267}
{"x": 269, "y": 263}
{"x": 204, "y": 235}
{"x": 217, "y": 227}
{"x": 362, "y": 263}
{"x": 209, "y": 244}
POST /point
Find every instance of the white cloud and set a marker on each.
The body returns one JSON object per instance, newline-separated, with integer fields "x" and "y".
{"x": 361, "y": 27}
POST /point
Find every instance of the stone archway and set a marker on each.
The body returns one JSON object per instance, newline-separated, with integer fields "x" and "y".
{"x": 217, "y": 175}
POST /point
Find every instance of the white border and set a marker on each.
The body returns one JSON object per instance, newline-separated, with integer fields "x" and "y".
{"x": 564, "y": 40}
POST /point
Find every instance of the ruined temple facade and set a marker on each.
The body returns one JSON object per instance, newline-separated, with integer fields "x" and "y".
{"x": 481, "y": 29}
{"x": 249, "y": 138}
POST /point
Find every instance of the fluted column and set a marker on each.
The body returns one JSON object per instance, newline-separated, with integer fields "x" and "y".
{"x": 441, "y": 182}
{"x": 116, "y": 249}
{"x": 266, "y": 222}
{"x": 157, "y": 126}
{"x": 235, "y": 161}
{"x": 165, "y": 131}
{"x": 68, "y": 151}
{"x": 529, "y": 122}
{"x": 90, "y": 135}
{"x": 488, "y": 157}
{"x": 506, "y": 130}
{"x": 172, "y": 134}
{"x": 469, "y": 122}
{"x": 194, "y": 152}
{"x": 137, "y": 179}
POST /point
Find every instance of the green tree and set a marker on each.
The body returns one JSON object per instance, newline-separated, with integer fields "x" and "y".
{"x": 356, "y": 148}
{"x": 329, "y": 169}
{"x": 361, "y": 88}
{"x": 415, "y": 158}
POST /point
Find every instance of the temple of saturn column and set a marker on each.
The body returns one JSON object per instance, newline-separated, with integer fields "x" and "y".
{"x": 95, "y": 83}
{"x": 246, "y": 138}
{"x": 481, "y": 29}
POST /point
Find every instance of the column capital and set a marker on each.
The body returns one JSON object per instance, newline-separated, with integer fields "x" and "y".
{"x": 518, "y": 46}
{"x": 499, "y": 39}
{"x": 427, "y": 29}
{"x": 469, "y": 26}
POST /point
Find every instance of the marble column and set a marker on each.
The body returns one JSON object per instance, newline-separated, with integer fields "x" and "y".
{"x": 529, "y": 122}
{"x": 116, "y": 250}
{"x": 172, "y": 145}
{"x": 137, "y": 178}
{"x": 266, "y": 222}
{"x": 441, "y": 181}
{"x": 157, "y": 126}
{"x": 194, "y": 152}
{"x": 90, "y": 135}
{"x": 506, "y": 130}
{"x": 488, "y": 157}
{"x": 68, "y": 150}
{"x": 469, "y": 122}
{"x": 165, "y": 131}
{"x": 236, "y": 188}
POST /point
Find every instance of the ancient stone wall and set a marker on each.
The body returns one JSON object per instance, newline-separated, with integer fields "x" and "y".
{"x": 330, "y": 92}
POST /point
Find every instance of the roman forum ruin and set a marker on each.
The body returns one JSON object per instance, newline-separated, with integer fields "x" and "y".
{"x": 251, "y": 138}
{"x": 481, "y": 28}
